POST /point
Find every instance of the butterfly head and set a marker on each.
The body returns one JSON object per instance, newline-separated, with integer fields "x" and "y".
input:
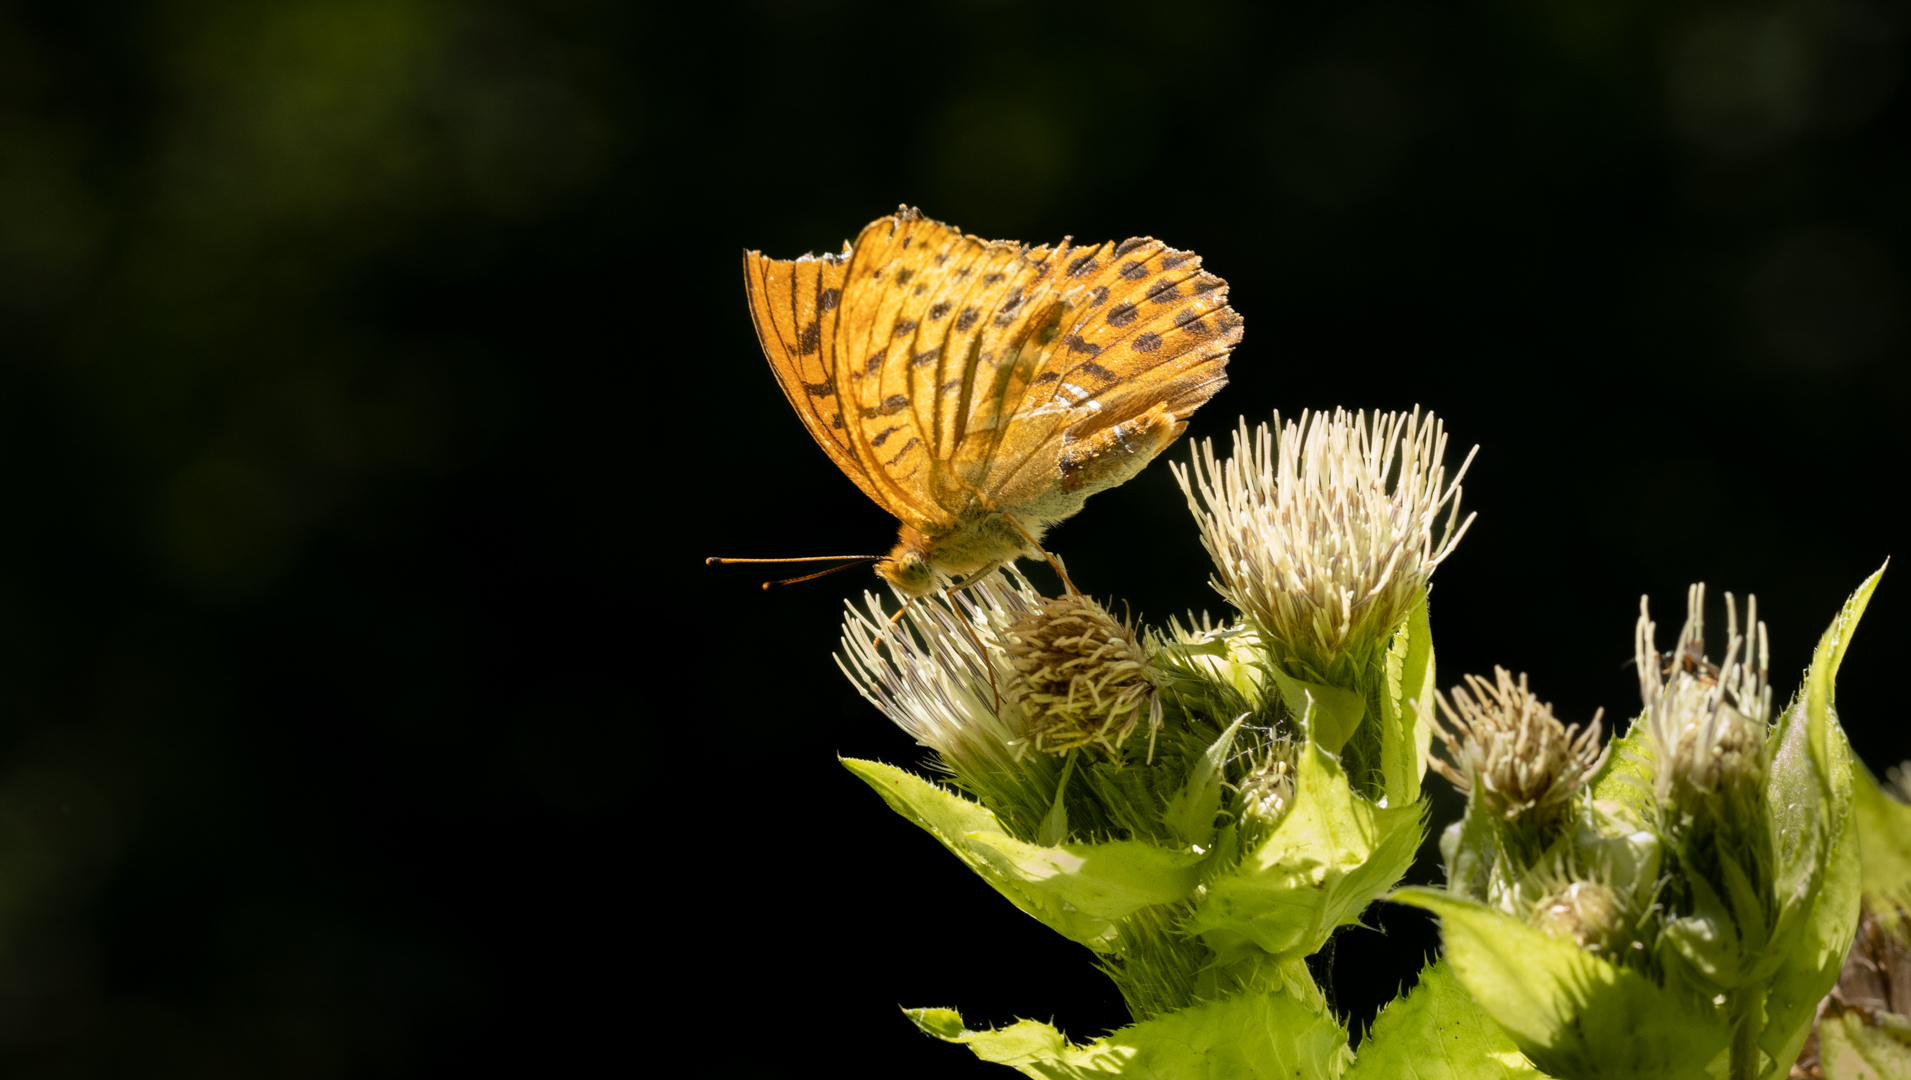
{"x": 909, "y": 567}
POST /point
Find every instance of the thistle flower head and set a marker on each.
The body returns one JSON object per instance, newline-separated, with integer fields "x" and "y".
{"x": 1510, "y": 751}
{"x": 1325, "y": 531}
{"x": 1707, "y": 721}
{"x": 934, "y": 678}
{"x": 1590, "y": 914}
{"x": 1080, "y": 676}
{"x": 1268, "y": 788}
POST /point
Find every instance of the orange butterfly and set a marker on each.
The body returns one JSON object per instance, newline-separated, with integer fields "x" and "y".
{"x": 980, "y": 391}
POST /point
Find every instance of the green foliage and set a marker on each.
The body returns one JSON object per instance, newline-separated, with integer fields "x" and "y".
{"x": 1884, "y": 840}
{"x": 1272, "y": 1035}
{"x": 1437, "y": 1032}
{"x": 1570, "y": 1011}
{"x": 1327, "y": 859}
{"x": 1855, "y": 1046}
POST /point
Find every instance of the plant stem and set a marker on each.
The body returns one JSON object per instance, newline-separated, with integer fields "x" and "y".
{"x": 1746, "y": 1012}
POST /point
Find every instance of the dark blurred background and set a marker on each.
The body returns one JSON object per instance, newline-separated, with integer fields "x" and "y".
{"x": 376, "y": 375}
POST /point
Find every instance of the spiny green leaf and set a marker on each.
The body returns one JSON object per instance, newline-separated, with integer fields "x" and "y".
{"x": 1103, "y": 881}
{"x": 1438, "y": 1032}
{"x": 1077, "y": 890}
{"x": 1264, "y": 1036}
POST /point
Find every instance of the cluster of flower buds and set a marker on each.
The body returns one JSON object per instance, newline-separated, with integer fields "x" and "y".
{"x": 1679, "y": 914}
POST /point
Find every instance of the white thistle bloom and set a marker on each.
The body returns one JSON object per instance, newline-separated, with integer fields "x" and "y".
{"x": 935, "y": 679}
{"x": 1708, "y": 722}
{"x": 1325, "y": 533}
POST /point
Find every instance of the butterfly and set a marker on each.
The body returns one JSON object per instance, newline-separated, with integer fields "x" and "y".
{"x": 979, "y": 390}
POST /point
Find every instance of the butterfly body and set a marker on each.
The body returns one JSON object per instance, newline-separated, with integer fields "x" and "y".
{"x": 981, "y": 391}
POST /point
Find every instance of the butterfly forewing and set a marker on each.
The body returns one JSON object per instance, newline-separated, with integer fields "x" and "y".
{"x": 795, "y": 304}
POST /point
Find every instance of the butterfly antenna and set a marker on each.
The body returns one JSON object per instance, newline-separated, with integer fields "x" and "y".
{"x": 853, "y": 560}
{"x": 1053, "y": 562}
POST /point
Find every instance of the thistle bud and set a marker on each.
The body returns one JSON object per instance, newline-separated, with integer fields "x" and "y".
{"x": 1511, "y": 754}
{"x": 1589, "y": 914}
{"x": 1708, "y": 721}
{"x": 1268, "y": 788}
{"x": 1324, "y": 532}
{"x": 1079, "y": 675}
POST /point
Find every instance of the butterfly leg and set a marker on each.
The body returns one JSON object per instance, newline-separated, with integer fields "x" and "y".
{"x": 877, "y": 641}
{"x": 1053, "y": 562}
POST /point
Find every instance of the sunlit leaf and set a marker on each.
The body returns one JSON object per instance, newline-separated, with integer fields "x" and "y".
{"x": 1571, "y": 1012}
{"x": 1264, "y": 1036}
{"x": 1438, "y": 1032}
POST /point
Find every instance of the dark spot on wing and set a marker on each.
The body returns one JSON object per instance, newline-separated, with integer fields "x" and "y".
{"x": 1047, "y": 333}
{"x": 826, "y": 300}
{"x": 1204, "y": 283}
{"x": 1175, "y": 258}
{"x": 926, "y": 356}
{"x": 966, "y": 319}
{"x": 1134, "y": 271}
{"x": 948, "y": 386}
{"x": 1164, "y": 292}
{"x": 1130, "y": 244}
{"x": 891, "y": 405}
{"x": 906, "y": 447}
{"x": 992, "y": 278}
{"x": 1082, "y": 265}
{"x": 920, "y": 289}
{"x": 1147, "y": 342}
{"x": 903, "y": 276}
{"x": 811, "y": 339}
{"x": 836, "y": 421}
{"x": 1121, "y": 314}
{"x": 819, "y": 389}
{"x": 1045, "y": 377}
{"x": 876, "y": 275}
{"x": 964, "y": 271}
{"x": 1098, "y": 296}
{"x": 1190, "y": 323}
{"x": 942, "y": 258}
{"x": 885, "y": 434}
{"x": 905, "y": 326}
{"x": 1077, "y": 345}
{"x": 906, "y": 241}
{"x": 870, "y": 365}
{"x": 1089, "y": 367}
{"x": 938, "y": 310}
